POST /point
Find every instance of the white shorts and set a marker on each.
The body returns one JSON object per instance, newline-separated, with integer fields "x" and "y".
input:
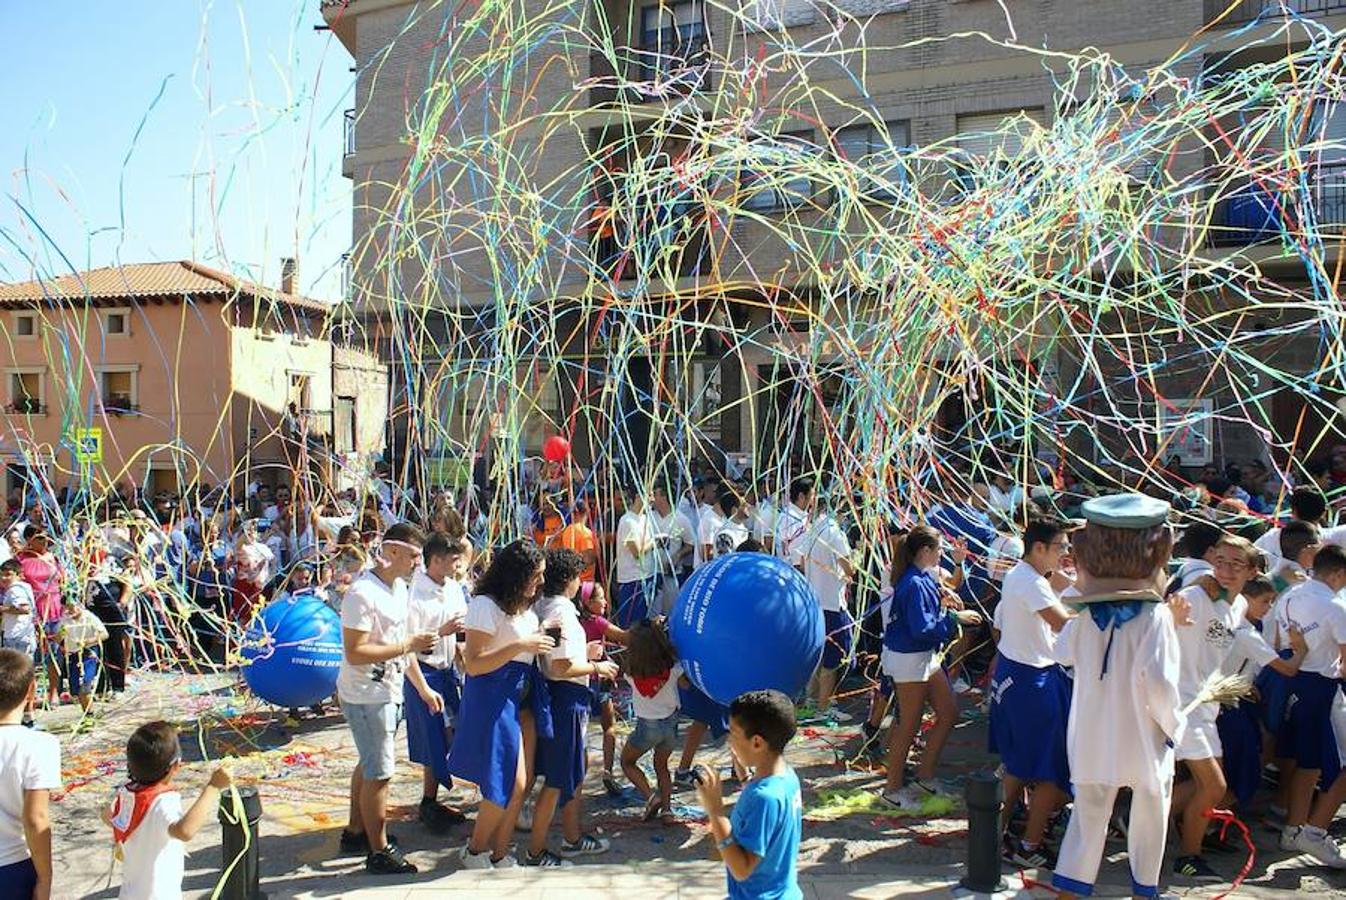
{"x": 1201, "y": 737}
{"x": 909, "y": 668}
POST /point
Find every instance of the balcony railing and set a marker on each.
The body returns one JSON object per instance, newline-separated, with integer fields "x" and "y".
{"x": 1248, "y": 10}
{"x": 671, "y": 242}
{"x": 25, "y": 406}
{"x": 1254, "y": 214}
{"x": 657, "y": 72}
{"x": 350, "y": 132}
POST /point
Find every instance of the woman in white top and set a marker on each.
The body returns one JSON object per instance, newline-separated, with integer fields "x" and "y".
{"x": 502, "y": 639}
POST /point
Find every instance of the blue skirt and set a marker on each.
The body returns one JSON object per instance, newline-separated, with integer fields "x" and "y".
{"x": 487, "y": 739}
{"x": 1306, "y": 732}
{"x": 427, "y": 744}
{"x": 561, "y": 758}
{"x": 698, "y": 707}
{"x": 1241, "y": 739}
{"x": 1030, "y": 708}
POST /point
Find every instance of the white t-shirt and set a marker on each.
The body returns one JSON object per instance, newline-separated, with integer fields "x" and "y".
{"x": 153, "y": 862}
{"x": 573, "y": 645}
{"x": 732, "y": 533}
{"x": 1270, "y": 543}
{"x": 1314, "y": 609}
{"x": 1025, "y": 636}
{"x": 680, "y": 534}
{"x": 370, "y": 605}
{"x": 431, "y": 606}
{"x": 252, "y": 562}
{"x": 764, "y": 520}
{"x": 709, "y": 523}
{"x": 630, "y": 568}
{"x": 1250, "y": 654}
{"x": 687, "y": 506}
{"x": 823, "y": 547}
{"x": 29, "y": 761}
{"x": 16, "y": 629}
{"x": 1204, "y": 645}
{"x": 663, "y": 704}
{"x": 791, "y": 523}
{"x": 484, "y": 615}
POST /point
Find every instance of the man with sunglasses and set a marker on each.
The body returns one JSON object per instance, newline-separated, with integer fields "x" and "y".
{"x": 378, "y": 649}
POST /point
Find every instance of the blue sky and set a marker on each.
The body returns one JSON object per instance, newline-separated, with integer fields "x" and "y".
{"x": 149, "y": 130}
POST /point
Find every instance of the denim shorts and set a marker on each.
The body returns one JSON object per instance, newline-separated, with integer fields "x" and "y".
{"x": 660, "y": 734}
{"x": 374, "y": 726}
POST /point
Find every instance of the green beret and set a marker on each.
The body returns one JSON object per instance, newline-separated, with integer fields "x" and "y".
{"x": 1133, "y": 511}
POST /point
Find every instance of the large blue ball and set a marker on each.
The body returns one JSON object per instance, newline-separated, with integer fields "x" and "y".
{"x": 294, "y": 652}
{"x": 746, "y": 622}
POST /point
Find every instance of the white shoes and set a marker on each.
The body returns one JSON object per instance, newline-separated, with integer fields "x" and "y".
{"x": 480, "y": 860}
{"x": 525, "y": 821}
{"x": 907, "y": 798}
{"x": 1314, "y": 842}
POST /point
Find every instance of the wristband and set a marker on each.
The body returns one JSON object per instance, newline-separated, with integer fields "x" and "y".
{"x": 725, "y": 843}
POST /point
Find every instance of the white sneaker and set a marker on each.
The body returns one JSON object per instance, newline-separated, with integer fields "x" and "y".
{"x": 906, "y": 798}
{"x": 508, "y": 861}
{"x": 472, "y": 860}
{"x": 1314, "y": 842}
{"x": 525, "y": 822}
{"x": 960, "y": 686}
{"x": 838, "y": 715}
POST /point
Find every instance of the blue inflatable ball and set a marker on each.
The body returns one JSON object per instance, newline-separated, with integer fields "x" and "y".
{"x": 746, "y": 622}
{"x": 293, "y": 651}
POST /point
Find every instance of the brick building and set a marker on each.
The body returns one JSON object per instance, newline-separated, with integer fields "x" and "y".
{"x": 602, "y": 81}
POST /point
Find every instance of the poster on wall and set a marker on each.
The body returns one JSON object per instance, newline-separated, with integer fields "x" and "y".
{"x": 1187, "y": 429}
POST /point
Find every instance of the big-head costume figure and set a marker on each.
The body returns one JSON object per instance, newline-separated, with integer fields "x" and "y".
{"x": 1125, "y": 715}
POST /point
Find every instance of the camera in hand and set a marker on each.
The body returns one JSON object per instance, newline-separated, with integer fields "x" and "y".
{"x": 554, "y": 632}
{"x": 699, "y": 774}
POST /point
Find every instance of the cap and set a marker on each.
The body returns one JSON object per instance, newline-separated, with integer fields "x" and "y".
{"x": 1133, "y": 511}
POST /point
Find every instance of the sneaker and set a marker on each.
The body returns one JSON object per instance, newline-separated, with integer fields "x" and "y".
{"x": 839, "y": 716}
{"x": 611, "y": 786}
{"x": 359, "y": 843}
{"x": 682, "y": 780}
{"x": 1194, "y": 868}
{"x": 907, "y": 798}
{"x": 587, "y": 845}
{"x": 960, "y": 685}
{"x": 505, "y": 862}
{"x": 525, "y": 822}
{"x": 1020, "y": 854}
{"x": 389, "y": 861}
{"x": 1314, "y": 842}
{"x": 437, "y": 817}
{"x": 935, "y": 788}
{"x": 546, "y": 860}
{"x": 472, "y": 860}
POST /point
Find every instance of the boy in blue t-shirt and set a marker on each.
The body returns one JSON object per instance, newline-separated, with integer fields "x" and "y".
{"x": 760, "y": 842}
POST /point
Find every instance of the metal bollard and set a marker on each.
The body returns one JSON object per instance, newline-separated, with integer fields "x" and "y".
{"x": 983, "y": 795}
{"x": 241, "y": 881}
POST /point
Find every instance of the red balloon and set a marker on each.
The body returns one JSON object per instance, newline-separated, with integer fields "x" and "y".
{"x": 555, "y": 448}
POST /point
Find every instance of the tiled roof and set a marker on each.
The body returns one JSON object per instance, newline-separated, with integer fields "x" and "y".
{"x": 165, "y": 279}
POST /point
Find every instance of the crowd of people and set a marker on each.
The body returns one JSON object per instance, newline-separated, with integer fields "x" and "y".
{"x": 495, "y": 657}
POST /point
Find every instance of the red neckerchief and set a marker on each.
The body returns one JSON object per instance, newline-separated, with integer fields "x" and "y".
{"x": 129, "y": 806}
{"x": 651, "y": 684}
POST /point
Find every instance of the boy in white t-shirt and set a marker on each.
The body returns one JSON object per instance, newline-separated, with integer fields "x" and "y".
{"x": 30, "y": 768}
{"x": 148, "y": 823}
{"x": 1216, "y": 610}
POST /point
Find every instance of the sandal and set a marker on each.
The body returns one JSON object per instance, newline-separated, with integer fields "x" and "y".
{"x": 652, "y": 807}
{"x": 667, "y": 818}
{"x": 610, "y": 785}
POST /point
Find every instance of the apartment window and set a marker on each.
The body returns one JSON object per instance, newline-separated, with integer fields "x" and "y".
{"x": 26, "y": 392}
{"x": 671, "y": 34}
{"x": 301, "y": 391}
{"x": 119, "y": 389}
{"x": 765, "y": 187}
{"x": 866, "y": 146}
{"x": 116, "y": 322}
{"x": 25, "y": 325}
{"x": 992, "y": 142}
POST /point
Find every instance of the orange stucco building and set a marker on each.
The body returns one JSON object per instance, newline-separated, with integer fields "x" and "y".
{"x": 185, "y": 373}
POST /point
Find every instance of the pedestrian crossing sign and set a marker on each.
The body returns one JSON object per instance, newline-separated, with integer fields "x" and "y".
{"x": 89, "y": 445}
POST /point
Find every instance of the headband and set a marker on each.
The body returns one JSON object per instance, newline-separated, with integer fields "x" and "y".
{"x": 402, "y": 544}
{"x": 586, "y": 590}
